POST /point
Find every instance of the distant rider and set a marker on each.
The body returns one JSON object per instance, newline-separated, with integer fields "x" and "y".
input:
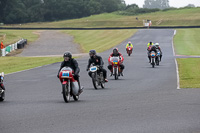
{"x": 129, "y": 44}
{"x": 116, "y": 53}
{"x": 73, "y": 64}
{"x": 96, "y": 60}
{"x": 149, "y": 46}
{"x": 158, "y": 48}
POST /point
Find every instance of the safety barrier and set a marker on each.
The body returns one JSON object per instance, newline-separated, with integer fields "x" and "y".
{"x": 18, "y": 45}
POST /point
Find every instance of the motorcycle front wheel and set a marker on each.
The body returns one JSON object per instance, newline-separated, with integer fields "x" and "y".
{"x": 94, "y": 81}
{"x": 116, "y": 75}
{"x": 65, "y": 92}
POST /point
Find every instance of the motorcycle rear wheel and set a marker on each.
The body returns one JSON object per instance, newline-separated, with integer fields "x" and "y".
{"x": 157, "y": 62}
{"x": 75, "y": 98}
{"x": 65, "y": 92}
{"x": 103, "y": 85}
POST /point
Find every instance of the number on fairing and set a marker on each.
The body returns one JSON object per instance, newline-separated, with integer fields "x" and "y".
{"x": 65, "y": 74}
{"x": 93, "y": 69}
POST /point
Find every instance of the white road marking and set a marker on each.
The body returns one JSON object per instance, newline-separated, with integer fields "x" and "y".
{"x": 177, "y": 71}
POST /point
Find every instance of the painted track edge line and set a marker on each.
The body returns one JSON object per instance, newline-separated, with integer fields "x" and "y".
{"x": 177, "y": 71}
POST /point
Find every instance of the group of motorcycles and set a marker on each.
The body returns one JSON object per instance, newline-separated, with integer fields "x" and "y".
{"x": 70, "y": 87}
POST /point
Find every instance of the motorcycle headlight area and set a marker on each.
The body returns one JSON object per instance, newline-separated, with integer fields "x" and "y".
{"x": 65, "y": 74}
{"x": 93, "y": 69}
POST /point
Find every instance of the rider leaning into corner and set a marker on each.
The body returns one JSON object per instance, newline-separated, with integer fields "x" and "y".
{"x": 96, "y": 60}
{"x": 118, "y": 54}
{"x": 72, "y": 63}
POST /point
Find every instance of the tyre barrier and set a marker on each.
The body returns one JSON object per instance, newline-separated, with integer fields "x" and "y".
{"x": 21, "y": 44}
{"x": 18, "y": 45}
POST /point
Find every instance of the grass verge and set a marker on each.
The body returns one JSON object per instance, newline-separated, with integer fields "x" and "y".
{"x": 12, "y": 36}
{"x": 189, "y": 72}
{"x": 175, "y": 17}
{"x": 14, "y": 64}
{"x": 187, "y": 42}
{"x": 100, "y": 40}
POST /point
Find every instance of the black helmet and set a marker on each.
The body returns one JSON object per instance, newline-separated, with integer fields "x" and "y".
{"x": 67, "y": 54}
{"x": 92, "y": 52}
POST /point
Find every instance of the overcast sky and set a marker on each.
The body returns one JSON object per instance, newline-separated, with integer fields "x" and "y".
{"x": 172, "y": 3}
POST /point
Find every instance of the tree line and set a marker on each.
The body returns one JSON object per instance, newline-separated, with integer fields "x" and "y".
{"x": 23, "y": 11}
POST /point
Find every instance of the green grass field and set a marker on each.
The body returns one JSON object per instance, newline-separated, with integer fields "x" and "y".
{"x": 187, "y": 42}
{"x": 178, "y": 17}
{"x": 100, "y": 40}
{"x": 189, "y": 72}
{"x": 13, "y": 36}
{"x": 14, "y": 64}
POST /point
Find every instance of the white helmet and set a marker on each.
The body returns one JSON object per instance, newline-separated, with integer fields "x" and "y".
{"x": 156, "y": 44}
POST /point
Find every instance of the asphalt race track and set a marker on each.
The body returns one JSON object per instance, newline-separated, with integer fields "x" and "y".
{"x": 145, "y": 100}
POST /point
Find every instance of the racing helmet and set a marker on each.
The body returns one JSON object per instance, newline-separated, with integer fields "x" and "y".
{"x": 67, "y": 54}
{"x": 92, "y": 52}
{"x": 115, "y": 51}
{"x": 156, "y": 44}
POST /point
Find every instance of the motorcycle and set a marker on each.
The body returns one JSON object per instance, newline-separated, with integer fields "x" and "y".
{"x": 116, "y": 71}
{"x": 97, "y": 77}
{"x": 158, "y": 57}
{"x": 129, "y": 50}
{"x": 2, "y": 88}
{"x": 153, "y": 58}
{"x": 70, "y": 86}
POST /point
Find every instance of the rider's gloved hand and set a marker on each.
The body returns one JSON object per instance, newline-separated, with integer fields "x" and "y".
{"x": 87, "y": 69}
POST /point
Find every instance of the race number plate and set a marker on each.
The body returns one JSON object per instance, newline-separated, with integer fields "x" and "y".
{"x": 65, "y": 74}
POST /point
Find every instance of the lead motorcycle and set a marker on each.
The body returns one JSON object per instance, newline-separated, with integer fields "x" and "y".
{"x": 2, "y": 88}
{"x": 115, "y": 62}
{"x": 153, "y": 58}
{"x": 129, "y": 50}
{"x": 97, "y": 76}
{"x": 70, "y": 86}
